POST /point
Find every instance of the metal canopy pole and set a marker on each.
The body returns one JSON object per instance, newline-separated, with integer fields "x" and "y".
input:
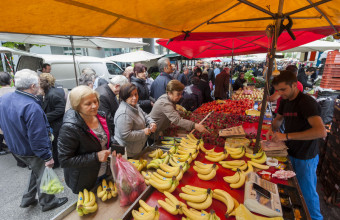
{"x": 269, "y": 73}
{"x": 74, "y": 60}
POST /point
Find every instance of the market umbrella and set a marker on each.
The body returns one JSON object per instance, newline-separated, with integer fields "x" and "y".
{"x": 133, "y": 57}
{"x": 158, "y": 18}
{"x": 318, "y": 45}
{"x": 70, "y": 41}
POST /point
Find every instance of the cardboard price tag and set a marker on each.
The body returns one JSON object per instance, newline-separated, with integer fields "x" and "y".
{"x": 232, "y": 132}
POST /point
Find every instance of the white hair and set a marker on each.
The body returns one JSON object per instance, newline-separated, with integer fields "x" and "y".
{"x": 25, "y": 78}
{"x": 162, "y": 63}
{"x": 119, "y": 80}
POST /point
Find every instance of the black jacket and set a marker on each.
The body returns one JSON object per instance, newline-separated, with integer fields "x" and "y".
{"x": 143, "y": 94}
{"x": 54, "y": 106}
{"x": 211, "y": 75}
{"x": 303, "y": 79}
{"x": 78, "y": 152}
{"x": 205, "y": 89}
{"x": 238, "y": 83}
{"x": 108, "y": 103}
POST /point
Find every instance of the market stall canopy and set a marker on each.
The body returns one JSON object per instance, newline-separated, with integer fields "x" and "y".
{"x": 200, "y": 45}
{"x": 158, "y": 18}
{"x": 318, "y": 45}
{"x": 14, "y": 51}
{"x": 64, "y": 41}
{"x": 133, "y": 57}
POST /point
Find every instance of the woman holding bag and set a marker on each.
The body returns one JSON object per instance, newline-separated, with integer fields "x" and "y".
{"x": 84, "y": 141}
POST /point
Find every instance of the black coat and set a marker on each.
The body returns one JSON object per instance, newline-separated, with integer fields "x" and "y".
{"x": 54, "y": 107}
{"x": 78, "y": 152}
{"x": 303, "y": 79}
{"x": 108, "y": 103}
{"x": 211, "y": 75}
{"x": 205, "y": 89}
{"x": 238, "y": 83}
{"x": 143, "y": 94}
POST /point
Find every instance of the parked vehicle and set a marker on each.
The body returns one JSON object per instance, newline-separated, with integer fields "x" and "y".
{"x": 63, "y": 66}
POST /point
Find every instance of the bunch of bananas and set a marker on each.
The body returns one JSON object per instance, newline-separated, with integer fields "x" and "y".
{"x": 216, "y": 157}
{"x": 196, "y": 197}
{"x": 156, "y": 153}
{"x": 176, "y": 163}
{"x": 206, "y": 150}
{"x": 199, "y": 215}
{"x": 86, "y": 203}
{"x": 226, "y": 198}
{"x": 234, "y": 164}
{"x": 236, "y": 153}
{"x": 162, "y": 183}
{"x": 145, "y": 212}
{"x": 105, "y": 191}
{"x": 139, "y": 164}
{"x": 257, "y": 155}
{"x": 156, "y": 162}
{"x": 172, "y": 204}
{"x": 241, "y": 212}
{"x": 205, "y": 171}
{"x": 237, "y": 180}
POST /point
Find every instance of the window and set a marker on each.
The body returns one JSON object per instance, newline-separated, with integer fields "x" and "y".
{"x": 113, "y": 69}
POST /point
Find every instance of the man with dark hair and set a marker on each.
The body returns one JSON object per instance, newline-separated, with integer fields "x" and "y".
{"x": 303, "y": 126}
{"x": 184, "y": 77}
{"x": 303, "y": 78}
{"x": 46, "y": 68}
{"x": 239, "y": 82}
{"x": 311, "y": 71}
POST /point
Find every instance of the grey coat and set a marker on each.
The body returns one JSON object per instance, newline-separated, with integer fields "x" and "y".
{"x": 130, "y": 123}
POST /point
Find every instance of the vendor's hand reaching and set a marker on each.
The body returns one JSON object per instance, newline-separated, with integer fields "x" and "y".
{"x": 153, "y": 127}
{"x": 103, "y": 155}
{"x": 275, "y": 136}
{"x": 269, "y": 134}
{"x": 201, "y": 128}
{"x": 49, "y": 163}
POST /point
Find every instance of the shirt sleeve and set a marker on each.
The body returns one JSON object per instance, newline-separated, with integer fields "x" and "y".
{"x": 281, "y": 106}
{"x": 309, "y": 107}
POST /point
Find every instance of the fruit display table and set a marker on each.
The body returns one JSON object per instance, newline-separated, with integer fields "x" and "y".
{"x": 112, "y": 210}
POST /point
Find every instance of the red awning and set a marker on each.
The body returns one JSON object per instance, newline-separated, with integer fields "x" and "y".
{"x": 203, "y": 45}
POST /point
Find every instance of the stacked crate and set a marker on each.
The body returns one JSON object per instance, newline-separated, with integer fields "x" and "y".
{"x": 329, "y": 175}
{"x": 331, "y": 72}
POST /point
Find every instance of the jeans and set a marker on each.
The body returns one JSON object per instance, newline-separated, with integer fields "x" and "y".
{"x": 306, "y": 176}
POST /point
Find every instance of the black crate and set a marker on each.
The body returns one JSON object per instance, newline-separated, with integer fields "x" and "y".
{"x": 322, "y": 149}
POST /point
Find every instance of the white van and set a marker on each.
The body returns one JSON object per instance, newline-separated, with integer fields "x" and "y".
{"x": 63, "y": 66}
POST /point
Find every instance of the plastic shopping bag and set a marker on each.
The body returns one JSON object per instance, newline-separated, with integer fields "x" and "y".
{"x": 50, "y": 183}
{"x": 129, "y": 182}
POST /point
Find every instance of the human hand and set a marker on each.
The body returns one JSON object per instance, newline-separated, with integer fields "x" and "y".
{"x": 278, "y": 136}
{"x": 201, "y": 128}
{"x": 269, "y": 134}
{"x": 103, "y": 155}
{"x": 151, "y": 103}
{"x": 147, "y": 131}
{"x": 153, "y": 127}
{"x": 49, "y": 163}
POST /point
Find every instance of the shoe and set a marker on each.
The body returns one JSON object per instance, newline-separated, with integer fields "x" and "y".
{"x": 33, "y": 203}
{"x": 61, "y": 202}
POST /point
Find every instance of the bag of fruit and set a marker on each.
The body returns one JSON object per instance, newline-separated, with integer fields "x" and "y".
{"x": 50, "y": 183}
{"x": 129, "y": 182}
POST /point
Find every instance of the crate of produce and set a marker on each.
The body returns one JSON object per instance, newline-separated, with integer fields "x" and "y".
{"x": 333, "y": 57}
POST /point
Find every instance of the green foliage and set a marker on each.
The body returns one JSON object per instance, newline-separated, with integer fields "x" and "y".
{"x": 154, "y": 75}
{"x": 20, "y": 46}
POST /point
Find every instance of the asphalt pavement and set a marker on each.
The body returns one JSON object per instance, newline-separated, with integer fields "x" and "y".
{"x": 13, "y": 182}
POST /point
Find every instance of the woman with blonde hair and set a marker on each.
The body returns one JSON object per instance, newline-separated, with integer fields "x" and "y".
{"x": 53, "y": 104}
{"x": 84, "y": 141}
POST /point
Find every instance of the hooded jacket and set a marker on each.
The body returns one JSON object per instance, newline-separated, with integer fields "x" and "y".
{"x": 143, "y": 94}
{"x": 78, "y": 147}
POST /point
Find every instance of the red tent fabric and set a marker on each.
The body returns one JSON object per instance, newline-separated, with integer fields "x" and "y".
{"x": 204, "y": 45}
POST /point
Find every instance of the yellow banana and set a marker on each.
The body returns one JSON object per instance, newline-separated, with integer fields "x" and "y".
{"x": 234, "y": 162}
{"x": 91, "y": 209}
{"x": 243, "y": 167}
{"x": 152, "y": 165}
{"x": 232, "y": 179}
{"x": 240, "y": 183}
{"x": 180, "y": 175}
{"x": 204, "y": 205}
{"x": 194, "y": 198}
{"x": 202, "y": 171}
{"x": 146, "y": 206}
{"x": 111, "y": 186}
{"x": 172, "y": 150}
{"x": 261, "y": 159}
{"x": 209, "y": 176}
{"x": 109, "y": 195}
{"x": 175, "y": 162}
{"x": 254, "y": 156}
{"x": 192, "y": 137}
{"x": 155, "y": 176}
{"x": 145, "y": 175}
{"x": 205, "y": 150}
{"x": 214, "y": 154}
{"x": 173, "y": 185}
{"x": 147, "y": 182}
{"x": 191, "y": 191}
{"x": 104, "y": 184}
{"x": 104, "y": 198}
{"x": 167, "y": 168}
{"x": 100, "y": 191}
{"x": 193, "y": 215}
{"x": 143, "y": 216}
{"x": 232, "y": 150}
{"x": 168, "y": 174}
{"x": 230, "y": 202}
{"x": 196, "y": 188}
{"x": 171, "y": 209}
{"x": 114, "y": 191}
{"x": 160, "y": 186}
{"x": 80, "y": 212}
{"x": 140, "y": 209}
{"x": 249, "y": 170}
{"x": 241, "y": 212}
{"x": 172, "y": 198}
{"x": 218, "y": 158}
{"x": 92, "y": 200}
{"x": 260, "y": 166}
{"x": 80, "y": 202}
{"x": 203, "y": 165}
{"x": 238, "y": 156}
{"x": 86, "y": 196}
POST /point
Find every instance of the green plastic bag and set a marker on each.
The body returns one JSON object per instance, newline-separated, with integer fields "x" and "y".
{"x": 50, "y": 183}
